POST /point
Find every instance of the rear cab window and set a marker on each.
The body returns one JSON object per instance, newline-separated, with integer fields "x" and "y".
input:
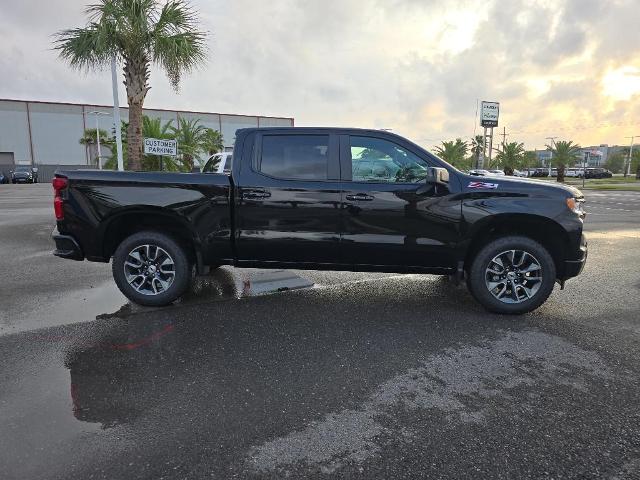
{"x": 212, "y": 164}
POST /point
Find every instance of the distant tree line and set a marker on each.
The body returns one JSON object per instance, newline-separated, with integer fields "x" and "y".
{"x": 512, "y": 156}
{"x": 509, "y": 156}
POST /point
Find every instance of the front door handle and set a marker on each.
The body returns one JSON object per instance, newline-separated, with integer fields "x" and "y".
{"x": 256, "y": 194}
{"x": 360, "y": 197}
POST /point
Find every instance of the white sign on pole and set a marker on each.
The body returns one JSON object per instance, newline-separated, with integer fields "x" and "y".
{"x": 154, "y": 146}
{"x": 489, "y": 112}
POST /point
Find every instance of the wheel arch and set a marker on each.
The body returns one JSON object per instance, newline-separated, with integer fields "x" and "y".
{"x": 126, "y": 223}
{"x": 543, "y": 230}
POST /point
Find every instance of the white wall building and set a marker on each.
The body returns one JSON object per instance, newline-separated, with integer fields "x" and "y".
{"x": 48, "y": 133}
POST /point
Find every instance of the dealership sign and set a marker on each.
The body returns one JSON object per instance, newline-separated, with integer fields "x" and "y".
{"x": 154, "y": 146}
{"x": 489, "y": 114}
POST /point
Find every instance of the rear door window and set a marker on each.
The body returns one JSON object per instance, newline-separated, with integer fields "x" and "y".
{"x": 298, "y": 157}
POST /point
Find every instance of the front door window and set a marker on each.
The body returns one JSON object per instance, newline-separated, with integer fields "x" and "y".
{"x": 382, "y": 161}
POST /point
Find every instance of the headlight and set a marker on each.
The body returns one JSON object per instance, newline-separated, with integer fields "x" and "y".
{"x": 575, "y": 205}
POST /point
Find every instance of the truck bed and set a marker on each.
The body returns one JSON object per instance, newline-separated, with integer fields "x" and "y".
{"x": 111, "y": 203}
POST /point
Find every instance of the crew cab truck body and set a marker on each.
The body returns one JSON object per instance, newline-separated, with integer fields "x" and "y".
{"x": 324, "y": 198}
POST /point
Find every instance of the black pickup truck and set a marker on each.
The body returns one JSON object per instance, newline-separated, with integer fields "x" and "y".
{"x": 324, "y": 198}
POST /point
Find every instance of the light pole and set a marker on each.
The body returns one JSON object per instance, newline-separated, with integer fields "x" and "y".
{"x": 628, "y": 166}
{"x": 553, "y": 140}
{"x": 116, "y": 113}
{"x": 584, "y": 166}
{"x": 96, "y": 113}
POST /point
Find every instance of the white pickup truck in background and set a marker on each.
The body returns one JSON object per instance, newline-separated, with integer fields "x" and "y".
{"x": 218, "y": 163}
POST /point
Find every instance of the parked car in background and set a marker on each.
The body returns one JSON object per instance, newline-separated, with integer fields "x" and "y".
{"x": 540, "y": 172}
{"x": 479, "y": 172}
{"x": 597, "y": 173}
{"x": 218, "y": 163}
{"x": 3, "y": 178}
{"x": 519, "y": 173}
{"x": 496, "y": 173}
{"x": 22, "y": 174}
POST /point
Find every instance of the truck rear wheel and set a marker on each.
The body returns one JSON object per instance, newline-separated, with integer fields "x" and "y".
{"x": 512, "y": 275}
{"x": 151, "y": 269}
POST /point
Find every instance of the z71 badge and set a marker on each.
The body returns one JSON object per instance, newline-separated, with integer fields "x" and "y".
{"x": 482, "y": 185}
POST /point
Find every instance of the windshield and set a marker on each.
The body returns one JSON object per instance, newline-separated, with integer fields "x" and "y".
{"x": 23, "y": 168}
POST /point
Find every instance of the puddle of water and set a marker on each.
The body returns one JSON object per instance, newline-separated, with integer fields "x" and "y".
{"x": 106, "y": 301}
{"x": 70, "y": 307}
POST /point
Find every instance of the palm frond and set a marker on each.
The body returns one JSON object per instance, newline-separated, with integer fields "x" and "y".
{"x": 85, "y": 48}
{"x": 178, "y": 53}
{"x": 175, "y": 17}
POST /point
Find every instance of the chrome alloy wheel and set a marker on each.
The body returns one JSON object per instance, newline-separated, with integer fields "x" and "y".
{"x": 513, "y": 276}
{"x": 149, "y": 269}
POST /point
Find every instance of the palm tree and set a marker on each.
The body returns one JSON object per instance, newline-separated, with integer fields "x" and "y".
{"x": 453, "y": 152}
{"x": 90, "y": 138}
{"x": 635, "y": 163}
{"x": 530, "y": 159}
{"x": 511, "y": 156}
{"x": 563, "y": 154}
{"x": 477, "y": 147}
{"x": 212, "y": 141}
{"x": 190, "y": 136}
{"x": 617, "y": 162}
{"x": 635, "y": 160}
{"x": 138, "y": 33}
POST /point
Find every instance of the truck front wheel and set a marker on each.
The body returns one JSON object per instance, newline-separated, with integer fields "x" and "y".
{"x": 151, "y": 269}
{"x": 512, "y": 275}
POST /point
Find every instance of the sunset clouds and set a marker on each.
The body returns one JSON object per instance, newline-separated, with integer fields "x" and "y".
{"x": 568, "y": 68}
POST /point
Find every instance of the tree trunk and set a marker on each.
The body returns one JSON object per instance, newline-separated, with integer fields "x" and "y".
{"x": 508, "y": 170}
{"x": 187, "y": 162}
{"x": 136, "y": 77}
{"x": 560, "y": 173}
{"x": 134, "y": 137}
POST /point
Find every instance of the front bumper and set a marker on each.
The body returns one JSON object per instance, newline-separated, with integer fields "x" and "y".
{"x": 573, "y": 268}
{"x": 66, "y": 246}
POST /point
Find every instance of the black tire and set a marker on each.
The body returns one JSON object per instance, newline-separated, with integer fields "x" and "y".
{"x": 181, "y": 266}
{"x": 476, "y": 278}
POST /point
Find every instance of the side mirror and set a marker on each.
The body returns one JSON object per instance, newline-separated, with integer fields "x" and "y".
{"x": 437, "y": 175}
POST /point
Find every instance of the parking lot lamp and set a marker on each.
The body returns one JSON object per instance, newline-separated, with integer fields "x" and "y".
{"x": 627, "y": 168}
{"x": 96, "y": 113}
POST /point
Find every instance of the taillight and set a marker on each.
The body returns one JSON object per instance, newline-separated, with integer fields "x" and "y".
{"x": 59, "y": 184}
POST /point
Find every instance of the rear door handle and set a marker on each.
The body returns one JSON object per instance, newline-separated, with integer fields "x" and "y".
{"x": 360, "y": 197}
{"x": 257, "y": 194}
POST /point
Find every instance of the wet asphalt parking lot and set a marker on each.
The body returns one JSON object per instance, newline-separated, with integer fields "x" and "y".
{"x": 359, "y": 376}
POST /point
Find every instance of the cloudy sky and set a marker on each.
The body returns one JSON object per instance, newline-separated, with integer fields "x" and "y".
{"x": 566, "y": 68}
